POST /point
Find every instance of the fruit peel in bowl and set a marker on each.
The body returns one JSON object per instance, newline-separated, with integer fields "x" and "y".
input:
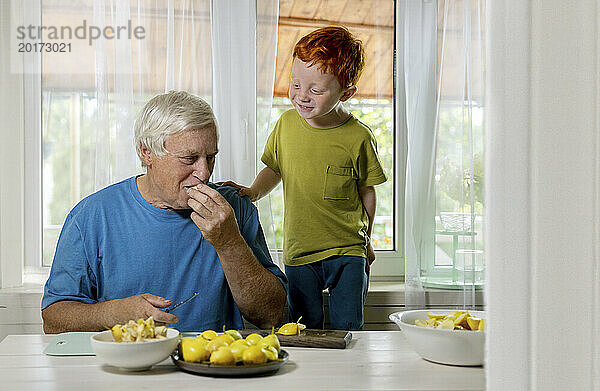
{"x": 455, "y": 320}
{"x": 133, "y": 356}
{"x": 462, "y": 347}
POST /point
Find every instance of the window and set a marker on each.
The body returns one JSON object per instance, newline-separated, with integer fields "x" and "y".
{"x": 66, "y": 149}
{"x": 70, "y": 103}
{"x": 458, "y": 180}
{"x": 89, "y": 98}
{"x": 70, "y": 142}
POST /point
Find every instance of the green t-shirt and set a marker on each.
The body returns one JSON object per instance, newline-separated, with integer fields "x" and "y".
{"x": 321, "y": 170}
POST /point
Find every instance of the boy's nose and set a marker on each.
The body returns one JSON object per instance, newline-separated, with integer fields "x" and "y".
{"x": 303, "y": 96}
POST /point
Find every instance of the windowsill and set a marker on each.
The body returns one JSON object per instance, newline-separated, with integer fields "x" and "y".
{"x": 33, "y": 282}
{"x": 381, "y": 293}
{"x": 27, "y": 289}
{"x": 391, "y": 293}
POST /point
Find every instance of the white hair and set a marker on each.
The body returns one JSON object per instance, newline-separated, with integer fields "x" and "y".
{"x": 169, "y": 114}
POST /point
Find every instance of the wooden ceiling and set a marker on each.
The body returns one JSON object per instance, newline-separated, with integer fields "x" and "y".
{"x": 372, "y": 21}
{"x": 373, "y": 25}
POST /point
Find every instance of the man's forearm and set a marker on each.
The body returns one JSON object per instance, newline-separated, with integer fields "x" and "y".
{"x": 67, "y": 315}
{"x": 265, "y": 181}
{"x": 259, "y": 295}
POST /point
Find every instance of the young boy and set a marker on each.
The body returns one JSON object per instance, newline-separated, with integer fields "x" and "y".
{"x": 328, "y": 162}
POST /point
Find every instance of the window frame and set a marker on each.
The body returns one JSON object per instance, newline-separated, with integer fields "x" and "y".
{"x": 33, "y": 181}
{"x": 389, "y": 264}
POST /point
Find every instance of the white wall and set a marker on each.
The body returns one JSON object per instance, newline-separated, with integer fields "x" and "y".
{"x": 20, "y": 311}
{"x": 542, "y": 195}
{"x": 11, "y": 159}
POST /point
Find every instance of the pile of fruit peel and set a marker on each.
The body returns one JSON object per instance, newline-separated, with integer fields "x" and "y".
{"x": 140, "y": 331}
{"x": 455, "y": 320}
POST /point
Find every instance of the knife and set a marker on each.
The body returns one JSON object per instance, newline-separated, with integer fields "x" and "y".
{"x": 182, "y": 303}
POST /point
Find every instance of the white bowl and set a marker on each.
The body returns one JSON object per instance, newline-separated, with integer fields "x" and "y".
{"x": 133, "y": 356}
{"x": 454, "y": 347}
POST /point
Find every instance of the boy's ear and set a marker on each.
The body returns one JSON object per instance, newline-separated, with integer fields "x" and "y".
{"x": 349, "y": 93}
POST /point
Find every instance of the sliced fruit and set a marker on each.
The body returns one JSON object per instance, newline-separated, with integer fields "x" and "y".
{"x": 447, "y": 324}
{"x": 482, "y": 324}
{"x": 194, "y": 350}
{"x": 474, "y": 323}
{"x": 209, "y": 335}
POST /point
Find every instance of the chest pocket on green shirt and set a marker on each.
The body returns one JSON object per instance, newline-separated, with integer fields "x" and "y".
{"x": 340, "y": 183}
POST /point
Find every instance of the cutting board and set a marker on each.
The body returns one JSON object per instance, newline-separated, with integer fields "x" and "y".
{"x": 309, "y": 338}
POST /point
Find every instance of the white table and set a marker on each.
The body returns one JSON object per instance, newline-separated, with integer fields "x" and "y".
{"x": 377, "y": 360}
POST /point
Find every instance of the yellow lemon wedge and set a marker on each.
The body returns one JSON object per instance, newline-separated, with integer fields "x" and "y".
{"x": 474, "y": 323}
{"x": 447, "y": 324}
{"x": 291, "y": 328}
{"x": 193, "y": 350}
{"x": 482, "y": 325}
{"x": 209, "y": 335}
{"x": 117, "y": 332}
{"x": 271, "y": 340}
{"x": 254, "y": 338}
{"x": 222, "y": 356}
{"x": 254, "y": 355}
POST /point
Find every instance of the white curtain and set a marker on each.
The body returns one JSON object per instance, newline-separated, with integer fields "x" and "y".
{"x": 416, "y": 40}
{"x": 221, "y": 50}
{"x": 266, "y": 49}
{"x": 439, "y": 71}
{"x": 205, "y": 47}
{"x": 244, "y": 53}
{"x": 234, "y": 88}
{"x": 175, "y": 54}
{"x": 120, "y": 106}
{"x": 460, "y": 94}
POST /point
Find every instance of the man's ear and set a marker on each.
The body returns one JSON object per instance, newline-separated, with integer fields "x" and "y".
{"x": 349, "y": 93}
{"x": 146, "y": 155}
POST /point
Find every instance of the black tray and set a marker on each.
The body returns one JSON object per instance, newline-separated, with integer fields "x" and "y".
{"x": 230, "y": 370}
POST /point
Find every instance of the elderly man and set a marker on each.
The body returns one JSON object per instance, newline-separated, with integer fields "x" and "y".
{"x": 137, "y": 247}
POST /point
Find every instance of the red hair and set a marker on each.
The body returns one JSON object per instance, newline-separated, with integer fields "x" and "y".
{"x": 334, "y": 50}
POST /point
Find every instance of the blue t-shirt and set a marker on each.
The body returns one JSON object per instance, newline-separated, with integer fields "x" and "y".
{"x": 114, "y": 244}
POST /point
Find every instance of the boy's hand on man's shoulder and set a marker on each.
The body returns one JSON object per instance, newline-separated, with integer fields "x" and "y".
{"x": 243, "y": 190}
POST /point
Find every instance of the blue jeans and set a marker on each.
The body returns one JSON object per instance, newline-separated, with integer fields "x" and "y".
{"x": 347, "y": 281}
